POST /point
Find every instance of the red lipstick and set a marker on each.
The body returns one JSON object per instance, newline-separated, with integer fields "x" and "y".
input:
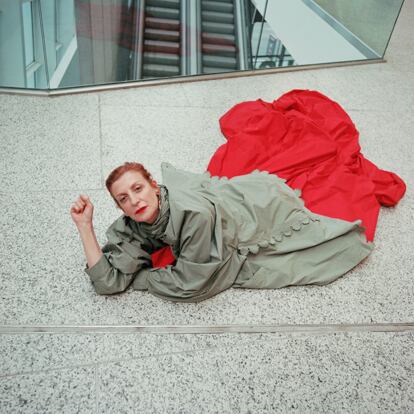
{"x": 140, "y": 210}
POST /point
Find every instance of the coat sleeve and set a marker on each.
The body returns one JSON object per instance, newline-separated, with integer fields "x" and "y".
{"x": 201, "y": 269}
{"x": 119, "y": 266}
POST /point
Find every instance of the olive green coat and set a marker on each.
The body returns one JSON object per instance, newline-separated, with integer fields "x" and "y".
{"x": 251, "y": 231}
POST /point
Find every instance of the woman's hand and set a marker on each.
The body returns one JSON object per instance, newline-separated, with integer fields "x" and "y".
{"x": 82, "y": 211}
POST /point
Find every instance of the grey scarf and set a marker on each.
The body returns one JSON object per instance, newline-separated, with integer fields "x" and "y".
{"x": 157, "y": 229}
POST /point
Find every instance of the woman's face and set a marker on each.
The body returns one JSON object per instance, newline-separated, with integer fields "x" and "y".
{"x": 136, "y": 196}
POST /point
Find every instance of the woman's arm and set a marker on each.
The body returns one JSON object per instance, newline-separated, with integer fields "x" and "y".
{"x": 82, "y": 214}
{"x": 112, "y": 268}
{"x": 91, "y": 247}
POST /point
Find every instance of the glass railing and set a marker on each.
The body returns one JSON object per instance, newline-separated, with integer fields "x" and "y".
{"x": 57, "y": 44}
{"x": 369, "y": 21}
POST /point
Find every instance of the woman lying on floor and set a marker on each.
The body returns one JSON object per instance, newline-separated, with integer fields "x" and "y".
{"x": 250, "y": 231}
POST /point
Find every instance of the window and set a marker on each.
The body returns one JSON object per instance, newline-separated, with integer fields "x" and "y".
{"x": 29, "y": 39}
{"x": 58, "y": 43}
{"x": 27, "y": 11}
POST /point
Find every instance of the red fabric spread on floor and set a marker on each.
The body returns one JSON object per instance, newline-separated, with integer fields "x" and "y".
{"x": 309, "y": 140}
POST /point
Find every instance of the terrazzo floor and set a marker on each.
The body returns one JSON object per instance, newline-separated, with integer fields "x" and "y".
{"x": 51, "y": 149}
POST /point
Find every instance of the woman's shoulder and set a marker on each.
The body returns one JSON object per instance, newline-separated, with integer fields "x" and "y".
{"x": 175, "y": 177}
{"x": 185, "y": 189}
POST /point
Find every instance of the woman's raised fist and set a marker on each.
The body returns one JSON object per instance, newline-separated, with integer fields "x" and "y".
{"x": 82, "y": 211}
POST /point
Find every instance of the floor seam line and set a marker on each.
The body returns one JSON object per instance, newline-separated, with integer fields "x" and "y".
{"x": 208, "y": 329}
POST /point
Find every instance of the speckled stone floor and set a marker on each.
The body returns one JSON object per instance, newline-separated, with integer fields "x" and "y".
{"x": 53, "y": 148}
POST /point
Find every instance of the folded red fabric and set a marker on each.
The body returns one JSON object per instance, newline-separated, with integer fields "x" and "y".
{"x": 309, "y": 140}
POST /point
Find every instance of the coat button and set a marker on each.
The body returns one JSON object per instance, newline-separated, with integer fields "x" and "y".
{"x": 244, "y": 251}
{"x": 254, "y": 249}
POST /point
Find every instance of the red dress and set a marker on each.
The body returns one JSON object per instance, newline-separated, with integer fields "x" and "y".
{"x": 309, "y": 140}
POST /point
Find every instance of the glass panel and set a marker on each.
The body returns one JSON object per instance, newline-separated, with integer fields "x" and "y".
{"x": 27, "y": 13}
{"x": 369, "y": 20}
{"x": 96, "y": 42}
{"x": 65, "y": 26}
{"x": 268, "y": 49}
{"x": 30, "y": 80}
{"x": 58, "y": 45}
{"x": 58, "y": 31}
